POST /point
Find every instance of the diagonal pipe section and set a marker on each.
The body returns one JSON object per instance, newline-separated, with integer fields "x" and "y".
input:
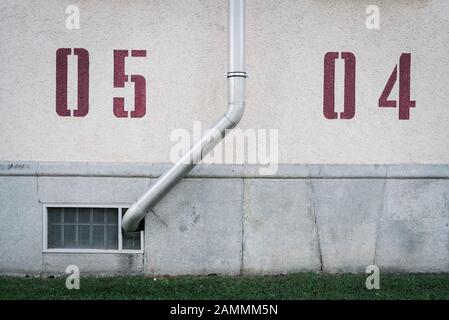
{"x": 236, "y": 107}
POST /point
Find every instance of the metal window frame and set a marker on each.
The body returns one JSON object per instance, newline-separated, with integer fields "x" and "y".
{"x": 120, "y": 249}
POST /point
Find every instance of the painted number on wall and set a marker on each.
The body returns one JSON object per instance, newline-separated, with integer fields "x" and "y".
{"x": 329, "y": 85}
{"x": 404, "y": 88}
{"x": 349, "y": 87}
{"x": 120, "y": 79}
{"x": 61, "y": 82}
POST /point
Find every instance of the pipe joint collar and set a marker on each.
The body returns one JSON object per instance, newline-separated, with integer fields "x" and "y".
{"x": 237, "y": 74}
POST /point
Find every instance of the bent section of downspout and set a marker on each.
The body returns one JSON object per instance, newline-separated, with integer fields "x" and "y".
{"x": 236, "y": 107}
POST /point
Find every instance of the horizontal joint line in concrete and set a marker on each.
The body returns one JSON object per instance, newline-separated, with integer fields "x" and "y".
{"x": 285, "y": 171}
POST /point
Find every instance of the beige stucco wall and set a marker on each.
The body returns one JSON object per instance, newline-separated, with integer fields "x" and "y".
{"x": 186, "y": 43}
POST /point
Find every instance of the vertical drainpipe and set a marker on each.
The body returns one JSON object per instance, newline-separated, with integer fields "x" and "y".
{"x": 236, "y": 107}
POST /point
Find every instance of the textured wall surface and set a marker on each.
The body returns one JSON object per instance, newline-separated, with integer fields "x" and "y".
{"x": 228, "y": 220}
{"x": 319, "y": 211}
{"x": 186, "y": 43}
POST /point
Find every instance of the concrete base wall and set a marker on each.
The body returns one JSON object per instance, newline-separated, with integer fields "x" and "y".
{"x": 229, "y": 220}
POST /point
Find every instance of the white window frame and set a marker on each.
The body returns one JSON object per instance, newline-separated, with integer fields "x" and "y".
{"x": 72, "y": 205}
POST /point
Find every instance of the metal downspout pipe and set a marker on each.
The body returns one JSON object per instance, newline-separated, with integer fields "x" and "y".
{"x": 236, "y": 107}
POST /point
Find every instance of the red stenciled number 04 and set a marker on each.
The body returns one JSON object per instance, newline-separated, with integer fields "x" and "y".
{"x": 349, "y": 87}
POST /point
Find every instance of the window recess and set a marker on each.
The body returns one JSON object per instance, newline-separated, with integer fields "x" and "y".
{"x": 89, "y": 229}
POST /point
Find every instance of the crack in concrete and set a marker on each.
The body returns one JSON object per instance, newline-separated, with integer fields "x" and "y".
{"x": 244, "y": 207}
{"x": 312, "y": 204}
{"x": 42, "y": 269}
{"x": 37, "y": 183}
{"x": 379, "y": 220}
{"x": 159, "y": 218}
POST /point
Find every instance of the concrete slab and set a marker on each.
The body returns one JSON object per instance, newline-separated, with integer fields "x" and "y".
{"x": 97, "y": 264}
{"x": 347, "y": 212}
{"x": 346, "y": 217}
{"x": 196, "y": 229}
{"x": 279, "y": 227}
{"x": 91, "y": 190}
{"x": 414, "y": 229}
{"x": 20, "y": 227}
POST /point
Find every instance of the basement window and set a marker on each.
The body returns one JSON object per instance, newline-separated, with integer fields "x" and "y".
{"x": 89, "y": 229}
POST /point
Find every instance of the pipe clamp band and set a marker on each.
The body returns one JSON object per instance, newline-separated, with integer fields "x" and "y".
{"x": 237, "y": 74}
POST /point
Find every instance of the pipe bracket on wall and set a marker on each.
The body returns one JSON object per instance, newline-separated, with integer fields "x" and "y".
{"x": 236, "y": 107}
{"x": 237, "y": 74}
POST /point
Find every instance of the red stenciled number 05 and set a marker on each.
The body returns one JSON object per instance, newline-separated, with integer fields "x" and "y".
{"x": 120, "y": 79}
